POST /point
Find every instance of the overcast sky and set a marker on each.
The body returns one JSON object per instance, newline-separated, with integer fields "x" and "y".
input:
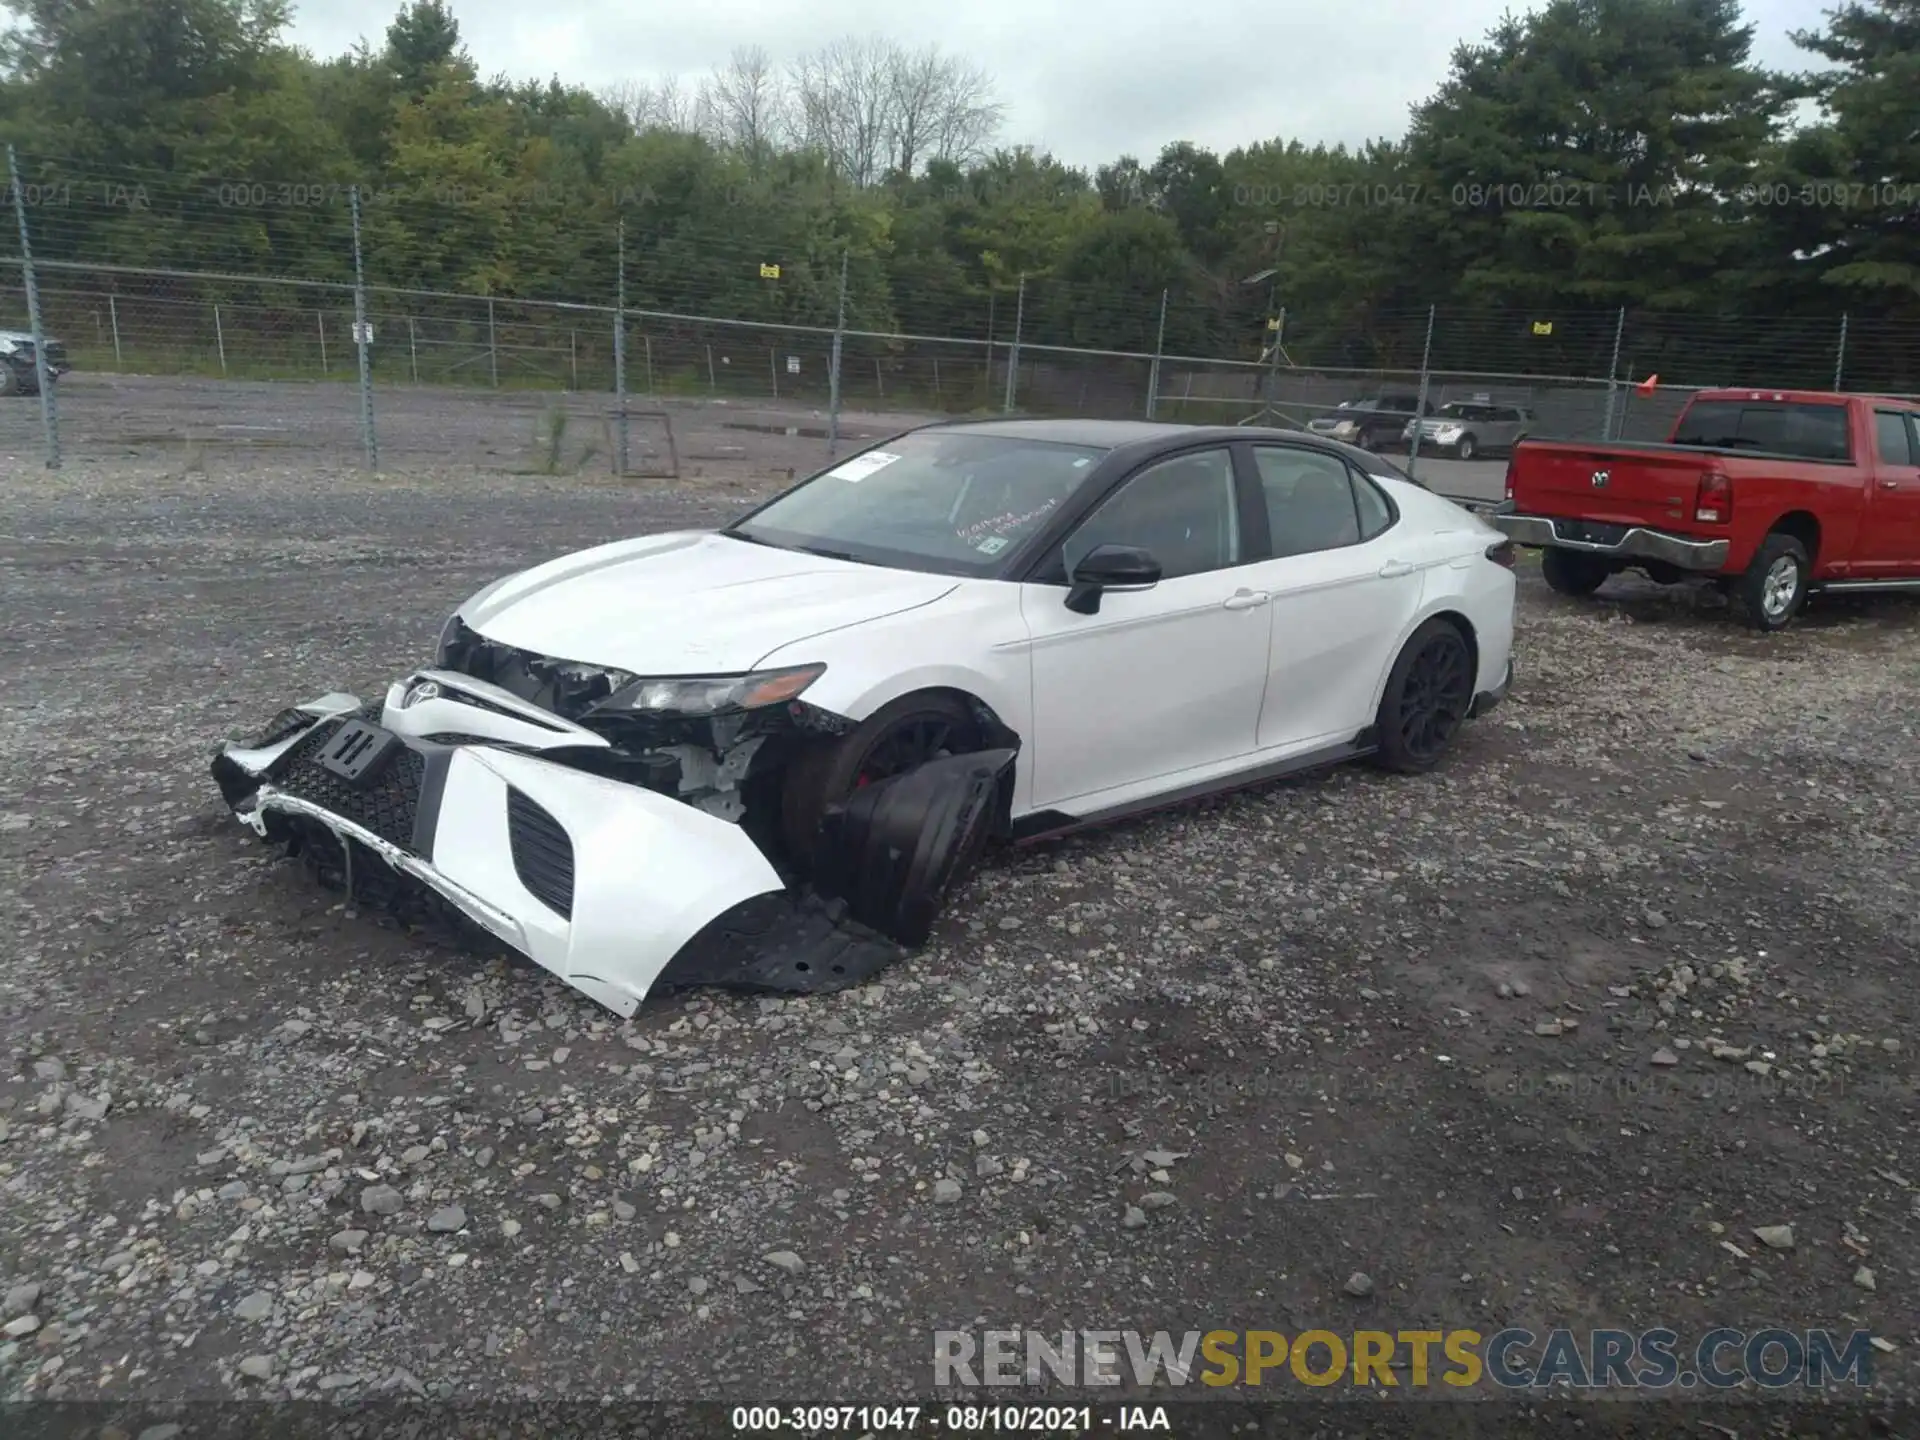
{"x": 1088, "y": 79}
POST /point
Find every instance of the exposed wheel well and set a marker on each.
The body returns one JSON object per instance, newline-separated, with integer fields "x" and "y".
{"x": 993, "y": 730}
{"x": 1803, "y": 527}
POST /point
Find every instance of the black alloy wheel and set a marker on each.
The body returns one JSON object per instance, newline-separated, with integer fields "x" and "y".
{"x": 1435, "y": 698}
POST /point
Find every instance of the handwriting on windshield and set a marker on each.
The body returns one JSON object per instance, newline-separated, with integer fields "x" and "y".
{"x": 1005, "y": 523}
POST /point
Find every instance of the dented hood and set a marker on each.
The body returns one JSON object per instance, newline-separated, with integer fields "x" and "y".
{"x": 688, "y": 603}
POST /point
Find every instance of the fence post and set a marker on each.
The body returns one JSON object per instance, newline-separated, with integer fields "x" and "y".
{"x": 620, "y": 355}
{"x": 646, "y": 342}
{"x": 1840, "y": 357}
{"x": 220, "y": 340}
{"x": 1013, "y": 351}
{"x": 879, "y": 381}
{"x": 833, "y": 368}
{"x": 113, "y": 319}
{"x": 1159, "y": 345}
{"x": 321, "y": 317}
{"x": 413, "y": 351}
{"x": 49, "y": 412}
{"x": 773, "y": 369}
{"x": 573, "y": 349}
{"x": 1613, "y": 373}
{"x": 1278, "y": 326}
{"x": 713, "y": 383}
{"x": 1420, "y": 405}
{"x": 363, "y": 340}
{"x": 493, "y": 346}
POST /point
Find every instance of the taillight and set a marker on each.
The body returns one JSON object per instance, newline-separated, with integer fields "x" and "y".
{"x": 1509, "y": 479}
{"x": 1501, "y": 552}
{"x": 1713, "y": 504}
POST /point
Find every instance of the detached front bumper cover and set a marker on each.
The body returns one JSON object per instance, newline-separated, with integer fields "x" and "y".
{"x": 618, "y": 890}
{"x": 1621, "y": 542}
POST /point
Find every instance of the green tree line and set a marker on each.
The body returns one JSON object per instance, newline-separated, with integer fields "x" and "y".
{"x": 1591, "y": 155}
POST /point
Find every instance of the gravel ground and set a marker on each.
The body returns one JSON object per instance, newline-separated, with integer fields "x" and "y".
{"x": 186, "y": 423}
{"x": 1540, "y": 1039}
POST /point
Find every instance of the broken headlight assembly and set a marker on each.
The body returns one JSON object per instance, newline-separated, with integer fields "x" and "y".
{"x": 710, "y": 694}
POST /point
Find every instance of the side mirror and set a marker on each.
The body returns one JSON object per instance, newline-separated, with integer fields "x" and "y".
{"x": 1109, "y": 567}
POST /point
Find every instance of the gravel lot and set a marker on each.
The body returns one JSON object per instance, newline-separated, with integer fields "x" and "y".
{"x": 188, "y": 424}
{"x": 1539, "y": 1039}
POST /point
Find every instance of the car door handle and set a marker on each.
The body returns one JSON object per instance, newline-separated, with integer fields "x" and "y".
{"x": 1247, "y": 599}
{"x": 1395, "y": 567}
{"x": 1889, "y": 484}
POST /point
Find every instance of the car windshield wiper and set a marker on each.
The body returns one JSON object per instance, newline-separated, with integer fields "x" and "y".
{"x": 824, "y": 553}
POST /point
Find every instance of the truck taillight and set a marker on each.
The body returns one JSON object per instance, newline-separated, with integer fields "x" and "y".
{"x": 1713, "y": 505}
{"x": 1509, "y": 479}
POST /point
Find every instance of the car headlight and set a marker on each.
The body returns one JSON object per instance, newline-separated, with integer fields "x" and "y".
{"x": 711, "y": 694}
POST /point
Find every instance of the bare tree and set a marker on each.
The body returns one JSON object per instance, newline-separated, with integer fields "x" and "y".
{"x": 745, "y": 105}
{"x": 844, "y": 98}
{"x": 668, "y": 105}
{"x": 872, "y": 108}
{"x": 940, "y": 108}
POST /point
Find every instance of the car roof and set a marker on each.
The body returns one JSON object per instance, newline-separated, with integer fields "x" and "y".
{"x": 1106, "y": 434}
{"x": 1128, "y": 441}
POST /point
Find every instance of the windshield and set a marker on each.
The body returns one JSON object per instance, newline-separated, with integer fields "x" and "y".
{"x": 943, "y": 500}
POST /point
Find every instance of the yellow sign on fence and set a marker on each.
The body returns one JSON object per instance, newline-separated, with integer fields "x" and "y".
{"x": 769, "y": 272}
{"x": 1543, "y": 327}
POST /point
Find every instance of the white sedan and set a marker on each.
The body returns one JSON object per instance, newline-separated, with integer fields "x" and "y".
{"x": 762, "y": 756}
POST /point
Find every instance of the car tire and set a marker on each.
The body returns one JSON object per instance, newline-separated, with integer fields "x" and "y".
{"x": 927, "y": 725}
{"x": 1774, "y": 586}
{"x": 1429, "y": 692}
{"x": 1568, "y": 572}
{"x": 1464, "y": 448}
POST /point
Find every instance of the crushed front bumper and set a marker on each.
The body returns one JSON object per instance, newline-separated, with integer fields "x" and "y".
{"x": 618, "y": 890}
{"x": 1620, "y": 542}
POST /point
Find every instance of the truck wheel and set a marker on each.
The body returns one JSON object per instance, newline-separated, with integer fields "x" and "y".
{"x": 1775, "y": 584}
{"x": 1568, "y": 572}
{"x": 1464, "y": 448}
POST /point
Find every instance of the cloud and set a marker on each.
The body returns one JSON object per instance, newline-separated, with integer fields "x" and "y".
{"x": 1090, "y": 81}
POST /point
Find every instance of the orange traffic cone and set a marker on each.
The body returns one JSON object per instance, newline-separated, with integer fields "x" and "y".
{"x": 1649, "y": 385}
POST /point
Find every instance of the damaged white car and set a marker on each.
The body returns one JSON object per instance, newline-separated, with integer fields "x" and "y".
{"x": 763, "y": 756}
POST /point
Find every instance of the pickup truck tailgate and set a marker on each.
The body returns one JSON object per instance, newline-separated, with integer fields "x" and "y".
{"x": 1610, "y": 485}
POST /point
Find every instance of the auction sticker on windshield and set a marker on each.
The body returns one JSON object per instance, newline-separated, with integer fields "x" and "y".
{"x": 861, "y": 466}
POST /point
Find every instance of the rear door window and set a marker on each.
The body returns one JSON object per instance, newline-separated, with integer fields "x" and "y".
{"x": 1892, "y": 438}
{"x": 1806, "y": 431}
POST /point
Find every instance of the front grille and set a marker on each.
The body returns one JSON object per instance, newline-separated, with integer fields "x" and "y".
{"x": 387, "y": 807}
{"x": 542, "y": 853}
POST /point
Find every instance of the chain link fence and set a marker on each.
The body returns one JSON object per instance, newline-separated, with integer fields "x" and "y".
{"x": 397, "y": 376}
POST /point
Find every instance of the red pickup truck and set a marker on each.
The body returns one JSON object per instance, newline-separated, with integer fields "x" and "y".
{"x": 1774, "y": 493}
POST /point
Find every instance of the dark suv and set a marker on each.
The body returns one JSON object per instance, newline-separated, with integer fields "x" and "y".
{"x": 18, "y": 374}
{"x": 1372, "y": 423}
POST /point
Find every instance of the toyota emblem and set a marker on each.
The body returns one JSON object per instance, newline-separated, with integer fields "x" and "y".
{"x": 1599, "y": 479}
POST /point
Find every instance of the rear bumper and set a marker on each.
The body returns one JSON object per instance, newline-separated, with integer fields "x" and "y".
{"x": 1488, "y": 699}
{"x": 1631, "y": 543}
